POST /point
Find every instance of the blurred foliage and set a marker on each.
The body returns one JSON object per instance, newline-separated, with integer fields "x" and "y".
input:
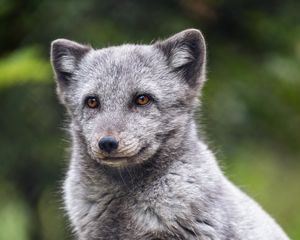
{"x": 23, "y": 65}
{"x": 250, "y": 111}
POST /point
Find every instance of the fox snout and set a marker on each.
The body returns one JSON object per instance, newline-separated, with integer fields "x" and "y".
{"x": 108, "y": 144}
{"x": 112, "y": 146}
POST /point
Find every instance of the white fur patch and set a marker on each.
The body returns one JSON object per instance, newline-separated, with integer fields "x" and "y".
{"x": 68, "y": 63}
{"x": 147, "y": 219}
{"x": 180, "y": 57}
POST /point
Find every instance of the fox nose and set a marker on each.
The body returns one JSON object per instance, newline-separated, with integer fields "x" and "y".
{"x": 108, "y": 144}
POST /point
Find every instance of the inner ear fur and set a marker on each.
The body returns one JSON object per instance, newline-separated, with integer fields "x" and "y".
{"x": 65, "y": 57}
{"x": 186, "y": 55}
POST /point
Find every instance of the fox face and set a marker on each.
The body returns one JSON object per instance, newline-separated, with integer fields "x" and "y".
{"x": 128, "y": 102}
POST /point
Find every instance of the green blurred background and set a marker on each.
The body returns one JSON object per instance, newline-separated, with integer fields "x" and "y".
{"x": 251, "y": 109}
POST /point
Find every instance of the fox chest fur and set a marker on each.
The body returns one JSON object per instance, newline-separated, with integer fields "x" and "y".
{"x": 165, "y": 207}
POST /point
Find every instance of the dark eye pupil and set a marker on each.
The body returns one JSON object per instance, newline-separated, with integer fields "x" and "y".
{"x": 142, "y": 100}
{"x": 92, "y": 102}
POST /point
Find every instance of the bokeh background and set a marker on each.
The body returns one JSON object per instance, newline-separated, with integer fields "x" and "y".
{"x": 250, "y": 111}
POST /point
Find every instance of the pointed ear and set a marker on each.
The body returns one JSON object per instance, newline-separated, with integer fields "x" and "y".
{"x": 186, "y": 54}
{"x": 65, "y": 57}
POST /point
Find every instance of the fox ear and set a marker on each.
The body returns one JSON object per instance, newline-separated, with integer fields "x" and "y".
{"x": 186, "y": 54}
{"x": 65, "y": 56}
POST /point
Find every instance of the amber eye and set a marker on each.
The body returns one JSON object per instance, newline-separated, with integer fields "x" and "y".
{"x": 92, "y": 102}
{"x": 142, "y": 100}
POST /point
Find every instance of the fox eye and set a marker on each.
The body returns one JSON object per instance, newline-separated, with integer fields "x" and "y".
{"x": 92, "y": 102}
{"x": 142, "y": 100}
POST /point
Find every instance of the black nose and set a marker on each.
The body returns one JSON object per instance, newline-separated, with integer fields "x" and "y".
{"x": 108, "y": 144}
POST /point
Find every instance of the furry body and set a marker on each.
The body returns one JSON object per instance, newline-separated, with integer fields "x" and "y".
{"x": 162, "y": 182}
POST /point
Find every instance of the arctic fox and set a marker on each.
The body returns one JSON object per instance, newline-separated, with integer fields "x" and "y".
{"x": 138, "y": 169}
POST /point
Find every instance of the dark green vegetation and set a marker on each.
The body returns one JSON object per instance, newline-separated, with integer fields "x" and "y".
{"x": 251, "y": 109}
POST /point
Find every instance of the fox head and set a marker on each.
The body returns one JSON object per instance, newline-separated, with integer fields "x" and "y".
{"x": 128, "y": 102}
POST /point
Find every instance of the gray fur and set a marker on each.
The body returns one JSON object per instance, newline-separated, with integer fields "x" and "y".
{"x": 162, "y": 182}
